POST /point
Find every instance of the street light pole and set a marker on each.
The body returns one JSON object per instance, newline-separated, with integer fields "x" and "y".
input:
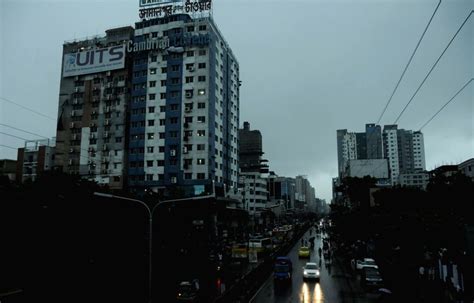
{"x": 150, "y": 232}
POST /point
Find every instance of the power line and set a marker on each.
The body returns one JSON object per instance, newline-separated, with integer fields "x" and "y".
{"x": 22, "y": 130}
{"x": 10, "y": 135}
{"x": 455, "y": 95}
{"x": 8, "y": 146}
{"x": 409, "y": 61}
{"x": 432, "y": 68}
{"x": 27, "y": 108}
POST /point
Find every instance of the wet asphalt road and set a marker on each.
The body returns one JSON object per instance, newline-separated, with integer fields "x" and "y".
{"x": 332, "y": 287}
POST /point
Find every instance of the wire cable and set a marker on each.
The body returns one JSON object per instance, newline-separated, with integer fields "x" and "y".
{"x": 8, "y": 146}
{"x": 446, "y": 104}
{"x": 13, "y": 136}
{"x": 22, "y": 130}
{"x": 408, "y": 64}
{"x": 27, "y": 108}
{"x": 433, "y": 67}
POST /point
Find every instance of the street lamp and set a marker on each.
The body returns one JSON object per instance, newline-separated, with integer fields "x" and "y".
{"x": 150, "y": 222}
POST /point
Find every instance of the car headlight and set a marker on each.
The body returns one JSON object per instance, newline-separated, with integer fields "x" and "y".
{"x": 305, "y": 272}
{"x": 317, "y": 272}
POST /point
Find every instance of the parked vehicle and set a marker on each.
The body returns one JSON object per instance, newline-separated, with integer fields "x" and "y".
{"x": 261, "y": 245}
{"x": 283, "y": 269}
{"x": 366, "y": 262}
{"x": 304, "y": 252}
{"x": 311, "y": 271}
{"x": 188, "y": 291}
{"x": 370, "y": 278}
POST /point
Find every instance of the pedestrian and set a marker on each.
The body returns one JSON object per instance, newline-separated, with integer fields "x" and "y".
{"x": 431, "y": 273}
{"x": 421, "y": 271}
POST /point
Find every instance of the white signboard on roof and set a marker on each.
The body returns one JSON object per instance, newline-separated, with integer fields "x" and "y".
{"x": 146, "y": 3}
{"x": 94, "y": 60}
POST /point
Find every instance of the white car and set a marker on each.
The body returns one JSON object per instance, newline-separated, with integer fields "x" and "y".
{"x": 366, "y": 263}
{"x": 311, "y": 271}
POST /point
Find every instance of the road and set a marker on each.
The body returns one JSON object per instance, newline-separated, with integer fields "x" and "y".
{"x": 334, "y": 285}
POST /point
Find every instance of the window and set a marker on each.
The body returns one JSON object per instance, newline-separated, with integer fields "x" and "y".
{"x": 152, "y": 83}
{"x": 149, "y": 163}
{"x": 188, "y": 119}
{"x": 161, "y": 162}
{"x": 149, "y": 177}
{"x": 201, "y": 147}
{"x": 201, "y": 119}
{"x": 201, "y": 105}
{"x": 202, "y": 52}
{"x": 173, "y": 134}
{"x": 189, "y": 79}
{"x": 189, "y": 66}
{"x": 201, "y": 161}
{"x": 149, "y": 149}
{"x": 190, "y": 28}
{"x": 161, "y": 177}
{"x": 202, "y": 65}
{"x": 175, "y": 68}
{"x": 174, "y": 107}
{"x": 164, "y": 70}
{"x": 151, "y": 122}
{"x": 151, "y": 96}
{"x": 188, "y": 176}
{"x": 162, "y": 109}
{"x": 202, "y": 78}
{"x": 202, "y": 27}
{"x": 201, "y": 176}
{"x": 152, "y": 71}
{"x": 190, "y": 54}
{"x": 151, "y": 109}
{"x": 162, "y": 136}
{"x": 201, "y": 133}
{"x": 201, "y": 92}
{"x": 151, "y": 136}
{"x": 163, "y": 82}
{"x": 188, "y": 147}
{"x": 162, "y": 122}
{"x": 188, "y": 161}
{"x": 161, "y": 149}
{"x": 118, "y": 139}
{"x": 188, "y": 133}
{"x": 174, "y": 120}
{"x": 162, "y": 96}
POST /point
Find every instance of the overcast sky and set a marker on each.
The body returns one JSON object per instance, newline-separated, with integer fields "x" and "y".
{"x": 307, "y": 67}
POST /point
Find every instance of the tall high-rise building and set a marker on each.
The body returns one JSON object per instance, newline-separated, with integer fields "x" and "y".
{"x": 373, "y": 135}
{"x": 403, "y": 149}
{"x": 184, "y": 112}
{"x": 93, "y": 98}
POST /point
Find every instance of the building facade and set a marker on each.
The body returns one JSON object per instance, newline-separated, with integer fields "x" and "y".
{"x": 414, "y": 179}
{"x": 91, "y": 135}
{"x": 34, "y": 158}
{"x": 184, "y": 106}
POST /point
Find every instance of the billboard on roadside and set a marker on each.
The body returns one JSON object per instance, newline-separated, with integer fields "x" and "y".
{"x": 94, "y": 61}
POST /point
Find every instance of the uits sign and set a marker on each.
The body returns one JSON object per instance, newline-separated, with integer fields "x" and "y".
{"x": 94, "y": 61}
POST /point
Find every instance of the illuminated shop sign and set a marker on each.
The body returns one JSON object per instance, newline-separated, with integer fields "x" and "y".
{"x": 94, "y": 61}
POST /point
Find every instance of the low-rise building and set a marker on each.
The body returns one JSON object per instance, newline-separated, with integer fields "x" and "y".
{"x": 8, "y": 168}
{"x": 415, "y": 179}
{"x": 35, "y": 158}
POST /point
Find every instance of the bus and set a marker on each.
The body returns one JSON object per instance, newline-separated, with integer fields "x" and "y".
{"x": 283, "y": 269}
{"x": 261, "y": 245}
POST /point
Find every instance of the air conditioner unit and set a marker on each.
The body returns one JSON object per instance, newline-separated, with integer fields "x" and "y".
{"x": 72, "y": 125}
{"x": 94, "y": 112}
{"x": 109, "y": 85}
{"x": 105, "y": 147}
{"x": 75, "y": 101}
{"x": 75, "y": 137}
{"x": 71, "y": 150}
{"x": 189, "y": 94}
{"x": 71, "y": 162}
{"x": 107, "y": 122}
{"x": 187, "y": 110}
{"x": 185, "y": 150}
{"x": 174, "y": 180}
{"x": 108, "y": 109}
{"x": 109, "y": 97}
{"x": 73, "y": 113}
{"x": 92, "y": 136}
{"x": 77, "y": 89}
{"x": 173, "y": 152}
{"x": 106, "y": 135}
